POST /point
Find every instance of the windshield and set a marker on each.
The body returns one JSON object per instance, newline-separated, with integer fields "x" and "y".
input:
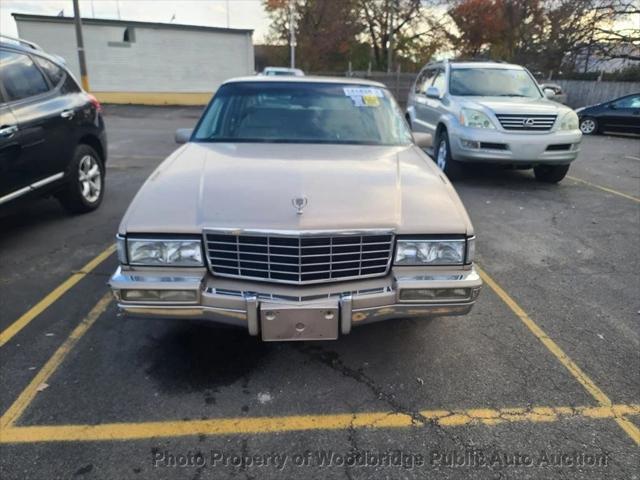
{"x": 282, "y": 73}
{"x": 492, "y": 82}
{"x": 308, "y": 112}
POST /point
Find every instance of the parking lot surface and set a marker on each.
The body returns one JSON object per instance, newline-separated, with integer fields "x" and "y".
{"x": 541, "y": 380}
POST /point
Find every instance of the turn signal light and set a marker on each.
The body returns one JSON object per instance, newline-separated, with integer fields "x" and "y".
{"x": 159, "y": 295}
{"x": 434, "y": 294}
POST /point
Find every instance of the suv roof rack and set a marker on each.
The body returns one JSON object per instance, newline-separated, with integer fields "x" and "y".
{"x": 475, "y": 59}
{"x": 19, "y": 41}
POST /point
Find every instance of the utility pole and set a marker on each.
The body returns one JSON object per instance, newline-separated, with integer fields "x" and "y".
{"x": 81, "y": 59}
{"x": 390, "y": 41}
{"x": 292, "y": 35}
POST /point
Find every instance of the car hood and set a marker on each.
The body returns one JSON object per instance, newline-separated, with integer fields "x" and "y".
{"x": 516, "y": 105}
{"x": 252, "y": 186}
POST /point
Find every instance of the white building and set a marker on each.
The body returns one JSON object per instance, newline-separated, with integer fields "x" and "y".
{"x": 146, "y": 63}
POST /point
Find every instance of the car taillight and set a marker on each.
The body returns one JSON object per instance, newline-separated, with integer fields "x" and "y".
{"x": 94, "y": 101}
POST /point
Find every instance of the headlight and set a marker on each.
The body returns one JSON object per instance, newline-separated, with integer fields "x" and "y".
{"x": 175, "y": 253}
{"x": 569, "y": 121}
{"x": 475, "y": 119}
{"x": 430, "y": 252}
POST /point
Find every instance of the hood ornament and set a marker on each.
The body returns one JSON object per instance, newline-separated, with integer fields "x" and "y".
{"x": 299, "y": 203}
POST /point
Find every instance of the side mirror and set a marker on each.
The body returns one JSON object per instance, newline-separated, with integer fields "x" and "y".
{"x": 183, "y": 135}
{"x": 433, "y": 92}
{"x": 549, "y": 93}
{"x": 423, "y": 140}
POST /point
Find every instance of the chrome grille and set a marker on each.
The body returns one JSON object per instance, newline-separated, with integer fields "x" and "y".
{"x": 299, "y": 259}
{"x": 536, "y": 123}
{"x": 296, "y": 298}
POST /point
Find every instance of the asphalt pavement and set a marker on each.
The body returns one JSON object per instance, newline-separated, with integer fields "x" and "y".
{"x": 541, "y": 380}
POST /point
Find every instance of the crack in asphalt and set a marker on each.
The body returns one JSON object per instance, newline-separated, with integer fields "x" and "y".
{"x": 333, "y": 361}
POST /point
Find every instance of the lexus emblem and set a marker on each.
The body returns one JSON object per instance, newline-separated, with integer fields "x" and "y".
{"x": 299, "y": 203}
{"x": 529, "y": 122}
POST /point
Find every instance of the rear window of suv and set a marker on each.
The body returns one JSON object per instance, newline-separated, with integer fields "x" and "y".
{"x": 492, "y": 82}
{"x": 53, "y": 71}
{"x": 20, "y": 76}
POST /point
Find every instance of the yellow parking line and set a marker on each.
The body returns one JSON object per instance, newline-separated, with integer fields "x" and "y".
{"x": 261, "y": 425}
{"x": 52, "y": 297}
{"x": 605, "y": 189}
{"x": 28, "y": 394}
{"x": 553, "y": 347}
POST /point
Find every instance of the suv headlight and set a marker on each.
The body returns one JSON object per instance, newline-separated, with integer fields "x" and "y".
{"x": 475, "y": 119}
{"x": 569, "y": 121}
{"x": 174, "y": 253}
{"x": 431, "y": 252}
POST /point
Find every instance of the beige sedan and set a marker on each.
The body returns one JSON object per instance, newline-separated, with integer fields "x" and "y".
{"x": 297, "y": 209}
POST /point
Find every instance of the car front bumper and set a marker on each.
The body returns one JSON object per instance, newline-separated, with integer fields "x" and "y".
{"x": 300, "y": 313}
{"x": 497, "y": 146}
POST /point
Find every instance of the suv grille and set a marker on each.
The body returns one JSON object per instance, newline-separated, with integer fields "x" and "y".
{"x": 538, "y": 123}
{"x": 299, "y": 259}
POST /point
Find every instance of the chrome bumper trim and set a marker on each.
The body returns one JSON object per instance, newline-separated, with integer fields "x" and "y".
{"x": 229, "y": 305}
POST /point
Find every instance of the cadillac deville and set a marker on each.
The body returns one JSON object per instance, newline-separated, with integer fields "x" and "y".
{"x": 297, "y": 209}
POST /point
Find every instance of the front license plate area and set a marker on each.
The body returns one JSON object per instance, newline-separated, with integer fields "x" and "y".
{"x": 281, "y": 322}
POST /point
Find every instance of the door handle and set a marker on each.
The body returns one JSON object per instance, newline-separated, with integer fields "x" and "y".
{"x": 69, "y": 114}
{"x": 8, "y": 131}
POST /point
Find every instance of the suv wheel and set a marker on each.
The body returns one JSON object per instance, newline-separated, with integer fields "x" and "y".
{"x": 589, "y": 126}
{"x": 85, "y": 189}
{"x": 550, "y": 173}
{"x": 449, "y": 166}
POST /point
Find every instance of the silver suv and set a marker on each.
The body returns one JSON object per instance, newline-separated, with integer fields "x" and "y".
{"x": 495, "y": 113}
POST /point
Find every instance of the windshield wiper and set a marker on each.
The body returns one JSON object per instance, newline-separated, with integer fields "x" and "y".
{"x": 511, "y": 95}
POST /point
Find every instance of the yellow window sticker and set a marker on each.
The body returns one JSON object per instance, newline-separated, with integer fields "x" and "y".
{"x": 370, "y": 100}
{"x": 364, "y": 96}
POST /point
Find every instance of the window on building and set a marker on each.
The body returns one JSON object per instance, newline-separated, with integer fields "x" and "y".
{"x": 129, "y": 35}
{"x": 20, "y": 76}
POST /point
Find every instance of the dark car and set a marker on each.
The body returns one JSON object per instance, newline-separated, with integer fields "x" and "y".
{"x": 52, "y": 135}
{"x": 619, "y": 115}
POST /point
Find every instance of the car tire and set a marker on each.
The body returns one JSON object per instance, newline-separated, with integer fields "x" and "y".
{"x": 442, "y": 153}
{"x": 85, "y": 189}
{"x": 550, "y": 173}
{"x": 589, "y": 126}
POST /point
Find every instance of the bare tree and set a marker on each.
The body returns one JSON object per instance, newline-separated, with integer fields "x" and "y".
{"x": 406, "y": 23}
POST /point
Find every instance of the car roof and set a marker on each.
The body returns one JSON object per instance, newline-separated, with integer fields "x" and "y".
{"x": 30, "y": 48}
{"x": 497, "y": 65}
{"x": 282, "y": 69}
{"x": 309, "y": 79}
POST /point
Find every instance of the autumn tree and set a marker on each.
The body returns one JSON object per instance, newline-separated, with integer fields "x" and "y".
{"x": 541, "y": 34}
{"x": 326, "y": 30}
{"x": 480, "y": 24}
{"x": 332, "y": 32}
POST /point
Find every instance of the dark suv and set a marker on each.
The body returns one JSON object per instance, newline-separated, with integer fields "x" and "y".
{"x": 52, "y": 136}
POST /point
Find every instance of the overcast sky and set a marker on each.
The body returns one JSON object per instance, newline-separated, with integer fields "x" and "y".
{"x": 213, "y": 13}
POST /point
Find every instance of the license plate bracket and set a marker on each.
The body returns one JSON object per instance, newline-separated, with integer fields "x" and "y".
{"x": 285, "y": 322}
